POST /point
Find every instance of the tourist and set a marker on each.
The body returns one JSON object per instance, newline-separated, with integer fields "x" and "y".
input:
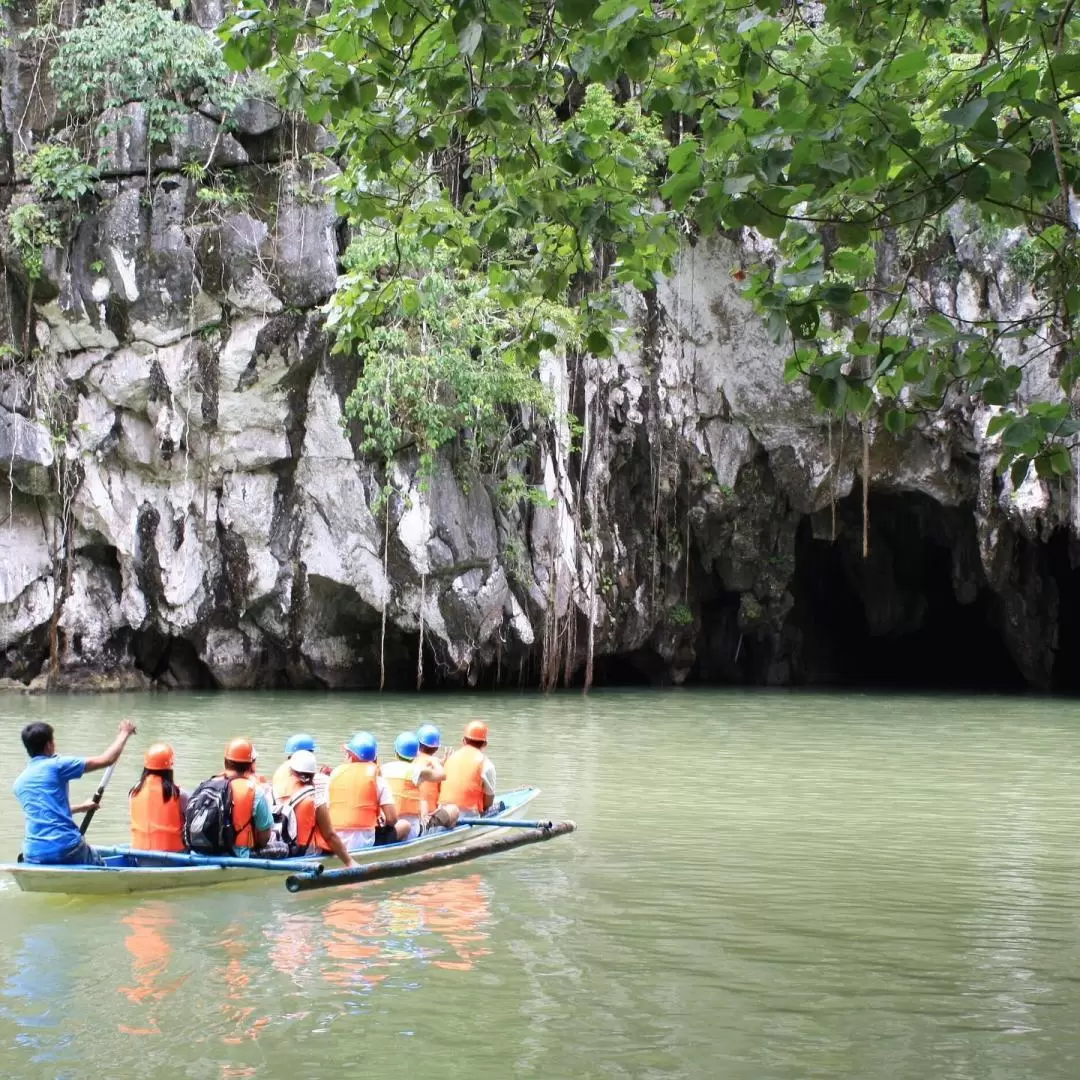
{"x": 284, "y": 783}
{"x": 306, "y": 826}
{"x": 205, "y": 828}
{"x": 415, "y": 779}
{"x": 470, "y": 775}
{"x": 362, "y": 809}
{"x": 42, "y": 790}
{"x": 156, "y": 804}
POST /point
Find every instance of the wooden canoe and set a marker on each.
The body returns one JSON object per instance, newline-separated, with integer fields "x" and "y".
{"x": 124, "y": 873}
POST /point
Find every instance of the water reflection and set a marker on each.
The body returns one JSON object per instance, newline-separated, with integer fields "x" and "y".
{"x": 355, "y": 942}
{"x": 147, "y": 943}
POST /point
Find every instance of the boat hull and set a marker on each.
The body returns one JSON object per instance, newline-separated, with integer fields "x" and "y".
{"x": 124, "y": 875}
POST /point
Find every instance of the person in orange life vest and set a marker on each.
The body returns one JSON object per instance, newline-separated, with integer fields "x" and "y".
{"x": 410, "y": 777}
{"x": 306, "y": 825}
{"x": 429, "y": 737}
{"x": 362, "y": 808}
{"x": 470, "y": 775}
{"x": 156, "y": 804}
{"x": 252, "y": 818}
{"x": 284, "y": 782}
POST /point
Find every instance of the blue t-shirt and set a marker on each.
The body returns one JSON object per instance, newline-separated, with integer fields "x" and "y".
{"x": 42, "y": 789}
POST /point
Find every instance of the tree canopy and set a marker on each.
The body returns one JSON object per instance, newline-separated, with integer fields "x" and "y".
{"x": 556, "y": 148}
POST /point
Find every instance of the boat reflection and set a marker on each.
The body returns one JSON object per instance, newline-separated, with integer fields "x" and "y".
{"x": 148, "y": 944}
{"x": 355, "y": 943}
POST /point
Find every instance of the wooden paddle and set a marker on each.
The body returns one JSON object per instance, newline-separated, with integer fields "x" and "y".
{"x": 96, "y": 800}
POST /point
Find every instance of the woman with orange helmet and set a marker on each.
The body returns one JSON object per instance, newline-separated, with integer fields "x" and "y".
{"x": 156, "y": 804}
{"x": 470, "y": 775}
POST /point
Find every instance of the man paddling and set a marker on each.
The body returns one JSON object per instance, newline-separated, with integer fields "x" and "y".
{"x": 52, "y": 836}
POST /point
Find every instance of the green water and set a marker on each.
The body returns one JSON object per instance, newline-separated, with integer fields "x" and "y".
{"x": 777, "y": 886}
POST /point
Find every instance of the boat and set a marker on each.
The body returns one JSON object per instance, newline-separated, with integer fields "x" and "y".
{"x": 125, "y": 873}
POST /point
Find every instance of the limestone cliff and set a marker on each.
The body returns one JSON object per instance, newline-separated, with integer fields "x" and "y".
{"x": 187, "y": 507}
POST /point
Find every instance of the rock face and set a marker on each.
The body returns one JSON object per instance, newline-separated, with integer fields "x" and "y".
{"x": 187, "y": 507}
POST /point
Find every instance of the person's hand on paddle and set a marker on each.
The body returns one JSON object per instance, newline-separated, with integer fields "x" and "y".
{"x": 126, "y": 728}
{"x": 83, "y": 807}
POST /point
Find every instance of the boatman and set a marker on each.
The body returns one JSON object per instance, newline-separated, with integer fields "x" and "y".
{"x": 362, "y": 808}
{"x": 52, "y": 836}
{"x": 284, "y": 781}
{"x": 305, "y": 813}
{"x": 470, "y": 775}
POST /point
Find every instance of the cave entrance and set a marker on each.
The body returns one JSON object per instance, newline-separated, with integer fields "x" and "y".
{"x": 917, "y": 614}
{"x": 1063, "y": 553}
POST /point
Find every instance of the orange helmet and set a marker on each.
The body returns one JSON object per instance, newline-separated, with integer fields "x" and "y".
{"x": 476, "y": 730}
{"x": 240, "y": 751}
{"x": 159, "y": 756}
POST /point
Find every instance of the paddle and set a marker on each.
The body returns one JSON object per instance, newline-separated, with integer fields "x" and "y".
{"x": 96, "y": 800}
{"x": 504, "y": 823}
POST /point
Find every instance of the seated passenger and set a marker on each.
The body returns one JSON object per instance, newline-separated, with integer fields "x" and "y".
{"x": 430, "y": 783}
{"x": 470, "y": 775}
{"x": 251, "y": 820}
{"x": 407, "y": 777}
{"x": 305, "y": 824}
{"x": 362, "y": 810}
{"x": 156, "y": 804}
{"x": 284, "y": 782}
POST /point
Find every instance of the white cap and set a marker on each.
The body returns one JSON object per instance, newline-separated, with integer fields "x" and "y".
{"x": 303, "y": 761}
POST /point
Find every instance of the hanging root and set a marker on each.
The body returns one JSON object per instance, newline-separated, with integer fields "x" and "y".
{"x": 865, "y": 490}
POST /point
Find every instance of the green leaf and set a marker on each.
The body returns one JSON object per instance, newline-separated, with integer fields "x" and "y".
{"x": 940, "y": 325}
{"x": 469, "y": 38}
{"x": 906, "y": 66}
{"x": 803, "y": 321}
{"x": 976, "y": 184}
{"x": 598, "y": 343}
{"x": 1018, "y": 472}
{"x": 998, "y": 424}
{"x": 623, "y": 16}
{"x": 966, "y": 115}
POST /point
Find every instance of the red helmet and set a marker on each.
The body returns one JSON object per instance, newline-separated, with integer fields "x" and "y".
{"x": 241, "y": 751}
{"x": 159, "y": 756}
{"x": 476, "y": 731}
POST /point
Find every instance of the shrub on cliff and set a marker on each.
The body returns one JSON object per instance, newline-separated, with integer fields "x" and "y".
{"x": 132, "y": 51}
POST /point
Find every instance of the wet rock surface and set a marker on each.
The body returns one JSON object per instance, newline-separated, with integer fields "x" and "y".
{"x": 186, "y": 508}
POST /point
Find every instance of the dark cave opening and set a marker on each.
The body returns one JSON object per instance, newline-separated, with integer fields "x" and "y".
{"x": 1063, "y": 556}
{"x": 916, "y": 614}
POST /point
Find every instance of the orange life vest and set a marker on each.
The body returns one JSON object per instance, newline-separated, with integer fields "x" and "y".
{"x": 406, "y": 794}
{"x": 302, "y": 828}
{"x": 286, "y": 783}
{"x": 244, "y": 789}
{"x": 354, "y": 795}
{"x": 156, "y": 825}
{"x": 429, "y": 789}
{"x": 464, "y": 786}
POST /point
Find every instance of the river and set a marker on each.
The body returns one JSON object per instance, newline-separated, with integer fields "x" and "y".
{"x": 764, "y": 886}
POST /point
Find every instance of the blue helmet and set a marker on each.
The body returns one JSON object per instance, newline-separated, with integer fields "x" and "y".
{"x": 428, "y": 735}
{"x": 299, "y": 742}
{"x": 406, "y": 746}
{"x": 363, "y": 746}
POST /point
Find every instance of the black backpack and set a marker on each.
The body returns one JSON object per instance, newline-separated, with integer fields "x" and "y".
{"x": 208, "y": 820}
